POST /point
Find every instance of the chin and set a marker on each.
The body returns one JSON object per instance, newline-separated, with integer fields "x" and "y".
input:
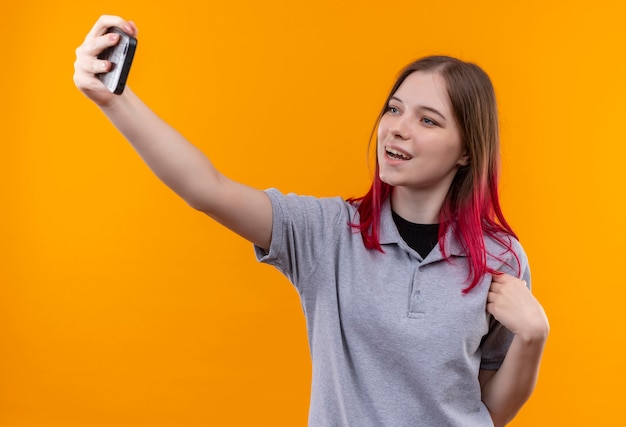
{"x": 386, "y": 179}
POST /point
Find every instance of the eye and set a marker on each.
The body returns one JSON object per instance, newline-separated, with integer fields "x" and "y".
{"x": 392, "y": 109}
{"x": 429, "y": 122}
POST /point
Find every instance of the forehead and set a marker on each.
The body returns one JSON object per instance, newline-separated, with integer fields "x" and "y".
{"x": 423, "y": 88}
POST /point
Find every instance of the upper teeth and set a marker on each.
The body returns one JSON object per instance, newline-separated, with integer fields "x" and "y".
{"x": 397, "y": 153}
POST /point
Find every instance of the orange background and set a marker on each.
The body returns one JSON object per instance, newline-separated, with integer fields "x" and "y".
{"x": 121, "y": 306}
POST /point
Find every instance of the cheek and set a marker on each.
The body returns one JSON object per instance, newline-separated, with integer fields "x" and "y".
{"x": 380, "y": 138}
{"x": 379, "y": 155}
{"x": 380, "y": 132}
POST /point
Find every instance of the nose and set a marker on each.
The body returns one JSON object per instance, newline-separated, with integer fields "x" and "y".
{"x": 399, "y": 127}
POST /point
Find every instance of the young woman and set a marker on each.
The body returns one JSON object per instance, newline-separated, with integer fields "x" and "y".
{"x": 416, "y": 295}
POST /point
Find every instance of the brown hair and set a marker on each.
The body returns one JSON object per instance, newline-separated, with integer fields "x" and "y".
{"x": 472, "y": 204}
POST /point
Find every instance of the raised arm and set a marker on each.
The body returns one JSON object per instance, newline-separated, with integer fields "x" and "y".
{"x": 175, "y": 161}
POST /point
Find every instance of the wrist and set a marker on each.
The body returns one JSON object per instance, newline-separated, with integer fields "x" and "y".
{"x": 115, "y": 103}
{"x": 536, "y": 334}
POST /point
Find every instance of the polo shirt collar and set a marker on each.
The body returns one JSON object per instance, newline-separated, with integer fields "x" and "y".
{"x": 389, "y": 234}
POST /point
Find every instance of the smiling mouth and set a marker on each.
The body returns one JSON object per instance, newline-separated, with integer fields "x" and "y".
{"x": 395, "y": 154}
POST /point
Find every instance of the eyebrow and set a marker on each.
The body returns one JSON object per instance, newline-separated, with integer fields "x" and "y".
{"x": 422, "y": 107}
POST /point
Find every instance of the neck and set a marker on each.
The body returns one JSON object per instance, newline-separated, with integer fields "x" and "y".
{"x": 417, "y": 206}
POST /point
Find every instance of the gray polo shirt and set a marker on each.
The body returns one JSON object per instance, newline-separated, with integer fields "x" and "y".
{"x": 393, "y": 340}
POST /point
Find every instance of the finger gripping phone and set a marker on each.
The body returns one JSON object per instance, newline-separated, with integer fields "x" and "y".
{"x": 121, "y": 58}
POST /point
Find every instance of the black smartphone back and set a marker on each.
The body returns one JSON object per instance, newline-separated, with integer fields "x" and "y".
{"x": 121, "y": 56}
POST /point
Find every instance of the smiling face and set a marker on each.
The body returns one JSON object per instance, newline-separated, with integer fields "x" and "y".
{"x": 419, "y": 142}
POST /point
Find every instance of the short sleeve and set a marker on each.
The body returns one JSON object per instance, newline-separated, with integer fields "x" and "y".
{"x": 304, "y": 230}
{"x": 496, "y": 343}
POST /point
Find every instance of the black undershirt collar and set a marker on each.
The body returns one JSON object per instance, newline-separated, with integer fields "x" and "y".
{"x": 422, "y": 238}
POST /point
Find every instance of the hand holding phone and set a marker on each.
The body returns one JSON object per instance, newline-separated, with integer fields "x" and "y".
{"x": 121, "y": 58}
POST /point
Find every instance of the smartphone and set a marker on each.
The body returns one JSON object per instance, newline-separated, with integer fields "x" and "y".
{"x": 121, "y": 57}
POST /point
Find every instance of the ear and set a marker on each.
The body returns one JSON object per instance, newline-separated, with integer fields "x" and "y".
{"x": 464, "y": 159}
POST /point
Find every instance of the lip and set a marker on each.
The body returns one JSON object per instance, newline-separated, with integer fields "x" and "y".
{"x": 396, "y": 150}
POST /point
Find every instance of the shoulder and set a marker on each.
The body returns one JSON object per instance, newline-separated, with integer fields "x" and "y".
{"x": 501, "y": 243}
{"x": 324, "y": 208}
{"x": 503, "y": 248}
